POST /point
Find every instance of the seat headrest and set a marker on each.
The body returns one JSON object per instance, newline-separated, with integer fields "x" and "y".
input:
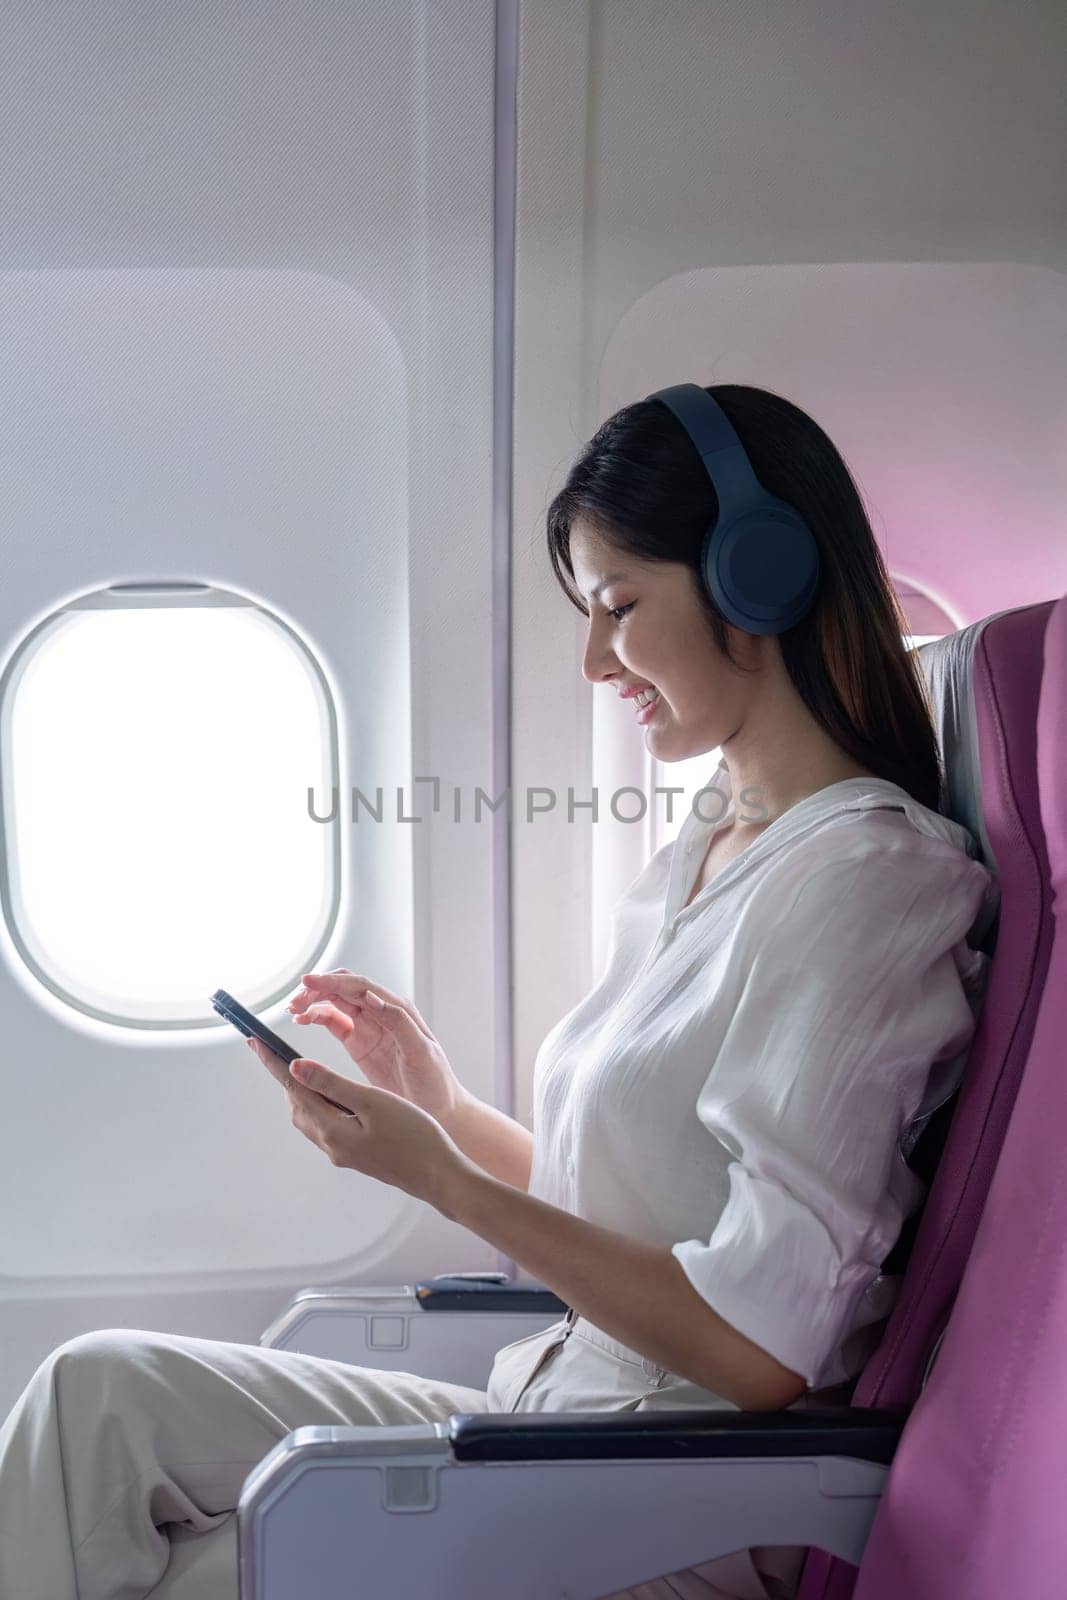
{"x": 948, "y": 666}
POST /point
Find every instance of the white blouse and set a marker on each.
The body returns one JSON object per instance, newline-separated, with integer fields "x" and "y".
{"x": 744, "y": 1081}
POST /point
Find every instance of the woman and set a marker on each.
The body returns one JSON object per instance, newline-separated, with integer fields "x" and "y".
{"x": 716, "y": 1173}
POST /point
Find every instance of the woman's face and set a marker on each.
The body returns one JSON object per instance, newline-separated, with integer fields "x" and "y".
{"x": 646, "y": 627}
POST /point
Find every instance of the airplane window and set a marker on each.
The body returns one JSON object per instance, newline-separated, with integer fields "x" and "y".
{"x": 157, "y": 748}
{"x": 927, "y": 615}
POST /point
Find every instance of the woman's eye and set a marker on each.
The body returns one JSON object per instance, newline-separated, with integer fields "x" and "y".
{"x": 620, "y": 611}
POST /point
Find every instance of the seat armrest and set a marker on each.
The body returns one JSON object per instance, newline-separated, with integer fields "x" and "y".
{"x": 387, "y": 1328}
{"x": 860, "y": 1433}
{"x": 625, "y": 1497}
{"x": 464, "y": 1291}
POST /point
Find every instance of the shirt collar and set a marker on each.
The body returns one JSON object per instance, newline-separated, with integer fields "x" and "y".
{"x": 716, "y": 806}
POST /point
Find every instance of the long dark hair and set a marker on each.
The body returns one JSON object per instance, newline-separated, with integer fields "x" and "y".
{"x": 639, "y": 484}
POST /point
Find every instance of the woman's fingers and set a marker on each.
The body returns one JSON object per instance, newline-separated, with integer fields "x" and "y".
{"x": 351, "y": 988}
{"x": 326, "y": 1013}
{"x": 395, "y": 1017}
{"x": 274, "y": 1064}
{"x": 317, "y": 985}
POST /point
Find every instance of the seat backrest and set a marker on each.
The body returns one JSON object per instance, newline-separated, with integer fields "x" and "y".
{"x": 984, "y": 683}
{"x": 983, "y": 1452}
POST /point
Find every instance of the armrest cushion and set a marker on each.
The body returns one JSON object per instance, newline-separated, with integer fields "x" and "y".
{"x": 861, "y": 1433}
{"x": 471, "y": 1294}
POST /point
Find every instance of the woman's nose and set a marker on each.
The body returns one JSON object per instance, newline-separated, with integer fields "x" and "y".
{"x": 595, "y": 671}
{"x": 597, "y": 661}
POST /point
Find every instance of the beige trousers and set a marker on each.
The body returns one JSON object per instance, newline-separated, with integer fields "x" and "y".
{"x": 122, "y": 1461}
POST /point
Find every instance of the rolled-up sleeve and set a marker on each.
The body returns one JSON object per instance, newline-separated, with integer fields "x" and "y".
{"x": 845, "y": 997}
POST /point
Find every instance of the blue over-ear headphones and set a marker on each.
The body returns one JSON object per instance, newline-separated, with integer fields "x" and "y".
{"x": 759, "y": 558}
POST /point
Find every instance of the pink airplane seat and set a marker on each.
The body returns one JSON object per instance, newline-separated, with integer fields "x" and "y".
{"x": 980, "y": 1263}
{"x": 932, "y": 1477}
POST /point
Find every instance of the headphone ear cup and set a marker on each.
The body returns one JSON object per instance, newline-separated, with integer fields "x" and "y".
{"x": 762, "y": 568}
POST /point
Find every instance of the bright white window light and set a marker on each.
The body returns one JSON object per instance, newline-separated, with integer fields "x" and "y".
{"x": 691, "y": 775}
{"x": 156, "y": 761}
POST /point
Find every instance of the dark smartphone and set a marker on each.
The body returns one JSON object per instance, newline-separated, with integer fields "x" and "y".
{"x": 247, "y": 1022}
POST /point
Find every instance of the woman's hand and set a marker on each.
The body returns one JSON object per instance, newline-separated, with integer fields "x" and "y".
{"x": 384, "y": 1035}
{"x": 370, "y": 1130}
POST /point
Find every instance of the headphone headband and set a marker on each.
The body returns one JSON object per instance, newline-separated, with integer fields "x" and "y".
{"x": 759, "y": 559}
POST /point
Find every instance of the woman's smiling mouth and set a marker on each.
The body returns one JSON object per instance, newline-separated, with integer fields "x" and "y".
{"x": 646, "y": 703}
